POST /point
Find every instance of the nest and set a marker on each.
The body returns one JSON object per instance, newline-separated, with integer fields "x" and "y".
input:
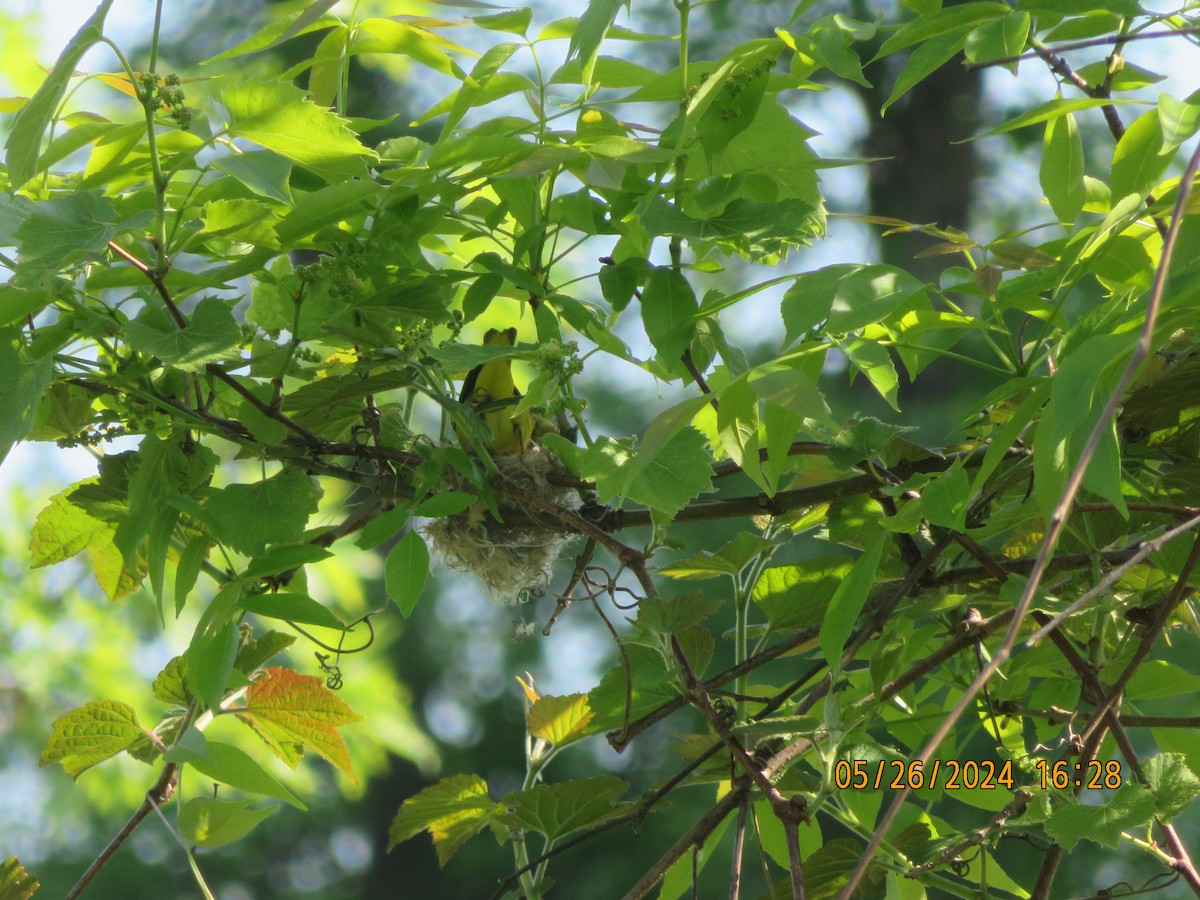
{"x": 513, "y": 562}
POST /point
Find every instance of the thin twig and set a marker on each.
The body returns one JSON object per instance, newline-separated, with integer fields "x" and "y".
{"x": 160, "y": 793}
{"x": 1083, "y": 45}
{"x": 155, "y": 279}
{"x": 697, "y": 376}
{"x": 739, "y": 844}
{"x": 1162, "y": 612}
{"x": 694, "y": 836}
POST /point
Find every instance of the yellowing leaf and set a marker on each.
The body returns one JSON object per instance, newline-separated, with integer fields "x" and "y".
{"x": 63, "y": 529}
{"x": 531, "y": 694}
{"x": 291, "y": 711}
{"x": 560, "y": 720}
{"x": 453, "y": 810}
{"x": 15, "y": 882}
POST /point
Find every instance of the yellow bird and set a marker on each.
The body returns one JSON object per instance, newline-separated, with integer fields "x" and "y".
{"x": 491, "y": 392}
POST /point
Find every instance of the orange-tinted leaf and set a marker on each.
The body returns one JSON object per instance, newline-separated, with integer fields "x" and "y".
{"x": 291, "y": 711}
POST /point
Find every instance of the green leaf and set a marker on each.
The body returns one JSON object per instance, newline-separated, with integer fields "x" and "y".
{"x": 284, "y": 558}
{"x": 734, "y": 107}
{"x": 658, "y": 616}
{"x": 265, "y": 173}
{"x": 772, "y": 157}
{"x": 618, "y": 282}
{"x": 847, "y": 602}
{"x": 211, "y": 334}
{"x": 384, "y": 527}
{"x": 15, "y": 882}
{"x": 328, "y": 206}
{"x": 169, "y": 685}
{"x": 924, "y": 61}
{"x": 17, "y": 305}
{"x": 1178, "y": 120}
{"x": 557, "y": 810}
{"x": 211, "y": 822}
{"x": 668, "y": 312}
{"x": 91, "y": 734}
{"x": 281, "y": 118}
{"x": 1157, "y": 678}
{"x": 242, "y": 220}
{"x": 191, "y": 561}
{"x": 652, "y": 685}
{"x": 395, "y": 36}
{"x": 945, "y": 498}
{"x": 590, "y": 32}
{"x": 479, "y": 295}
{"x": 1058, "y": 8}
{"x": 1138, "y": 162}
{"x": 998, "y": 39}
{"x": 163, "y": 469}
{"x": 453, "y": 810}
{"x": 738, "y": 427}
{"x": 874, "y": 361}
{"x": 729, "y": 560}
{"x": 445, "y": 503}
{"x": 863, "y": 441}
{"x": 869, "y": 295}
{"x": 313, "y": 17}
{"x": 1051, "y": 109}
{"x": 1127, "y": 78}
{"x": 797, "y": 596}
{"x": 25, "y": 139}
{"x": 1174, "y": 785}
{"x": 232, "y": 766}
{"x": 62, "y": 231}
{"x": 65, "y": 528}
{"x": 847, "y": 297}
{"x": 791, "y": 388}
{"x": 256, "y": 652}
{"x": 249, "y": 517}
{"x": 1061, "y": 173}
{"x": 210, "y": 658}
{"x": 806, "y": 304}
{"x": 933, "y": 24}
{"x": 828, "y": 43}
{"x": 746, "y": 227}
{"x": 406, "y": 570}
{"x": 1132, "y": 807}
{"x": 670, "y": 477}
{"x": 23, "y": 381}
{"x": 291, "y": 607}
{"x": 513, "y": 21}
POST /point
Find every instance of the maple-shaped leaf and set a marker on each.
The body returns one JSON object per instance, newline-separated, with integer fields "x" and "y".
{"x": 560, "y": 720}
{"x": 291, "y": 711}
{"x": 90, "y": 735}
{"x": 556, "y": 810}
{"x": 453, "y": 810}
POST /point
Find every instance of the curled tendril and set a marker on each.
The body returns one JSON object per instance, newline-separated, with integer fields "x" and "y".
{"x": 334, "y": 680}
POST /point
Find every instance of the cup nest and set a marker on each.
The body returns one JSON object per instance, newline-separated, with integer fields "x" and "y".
{"x": 512, "y": 562}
